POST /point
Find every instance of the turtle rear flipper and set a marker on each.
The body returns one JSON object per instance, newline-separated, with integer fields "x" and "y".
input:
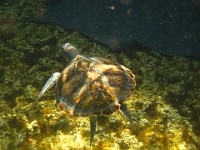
{"x": 124, "y": 111}
{"x": 50, "y": 82}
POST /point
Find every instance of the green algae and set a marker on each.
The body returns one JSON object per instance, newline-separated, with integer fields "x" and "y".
{"x": 165, "y": 107}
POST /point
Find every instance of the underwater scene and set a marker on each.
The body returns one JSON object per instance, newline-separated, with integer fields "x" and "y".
{"x": 127, "y": 75}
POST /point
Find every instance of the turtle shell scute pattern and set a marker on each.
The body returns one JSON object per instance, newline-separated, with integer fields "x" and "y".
{"x": 93, "y": 86}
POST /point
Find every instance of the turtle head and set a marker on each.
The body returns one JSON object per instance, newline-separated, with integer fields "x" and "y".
{"x": 70, "y": 51}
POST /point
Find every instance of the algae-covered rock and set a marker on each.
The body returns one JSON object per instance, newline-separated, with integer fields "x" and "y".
{"x": 165, "y": 107}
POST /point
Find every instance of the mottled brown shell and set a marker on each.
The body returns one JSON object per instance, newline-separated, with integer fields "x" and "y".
{"x": 93, "y": 86}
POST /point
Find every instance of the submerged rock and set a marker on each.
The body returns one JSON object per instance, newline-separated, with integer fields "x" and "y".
{"x": 168, "y": 27}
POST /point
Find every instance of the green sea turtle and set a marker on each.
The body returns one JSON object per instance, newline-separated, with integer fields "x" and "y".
{"x": 91, "y": 87}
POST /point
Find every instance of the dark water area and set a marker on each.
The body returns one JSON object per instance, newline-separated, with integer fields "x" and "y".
{"x": 169, "y": 27}
{"x": 165, "y": 106}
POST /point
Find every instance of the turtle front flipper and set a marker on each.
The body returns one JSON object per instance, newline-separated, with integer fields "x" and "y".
{"x": 93, "y": 124}
{"x": 50, "y": 82}
{"x": 124, "y": 111}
